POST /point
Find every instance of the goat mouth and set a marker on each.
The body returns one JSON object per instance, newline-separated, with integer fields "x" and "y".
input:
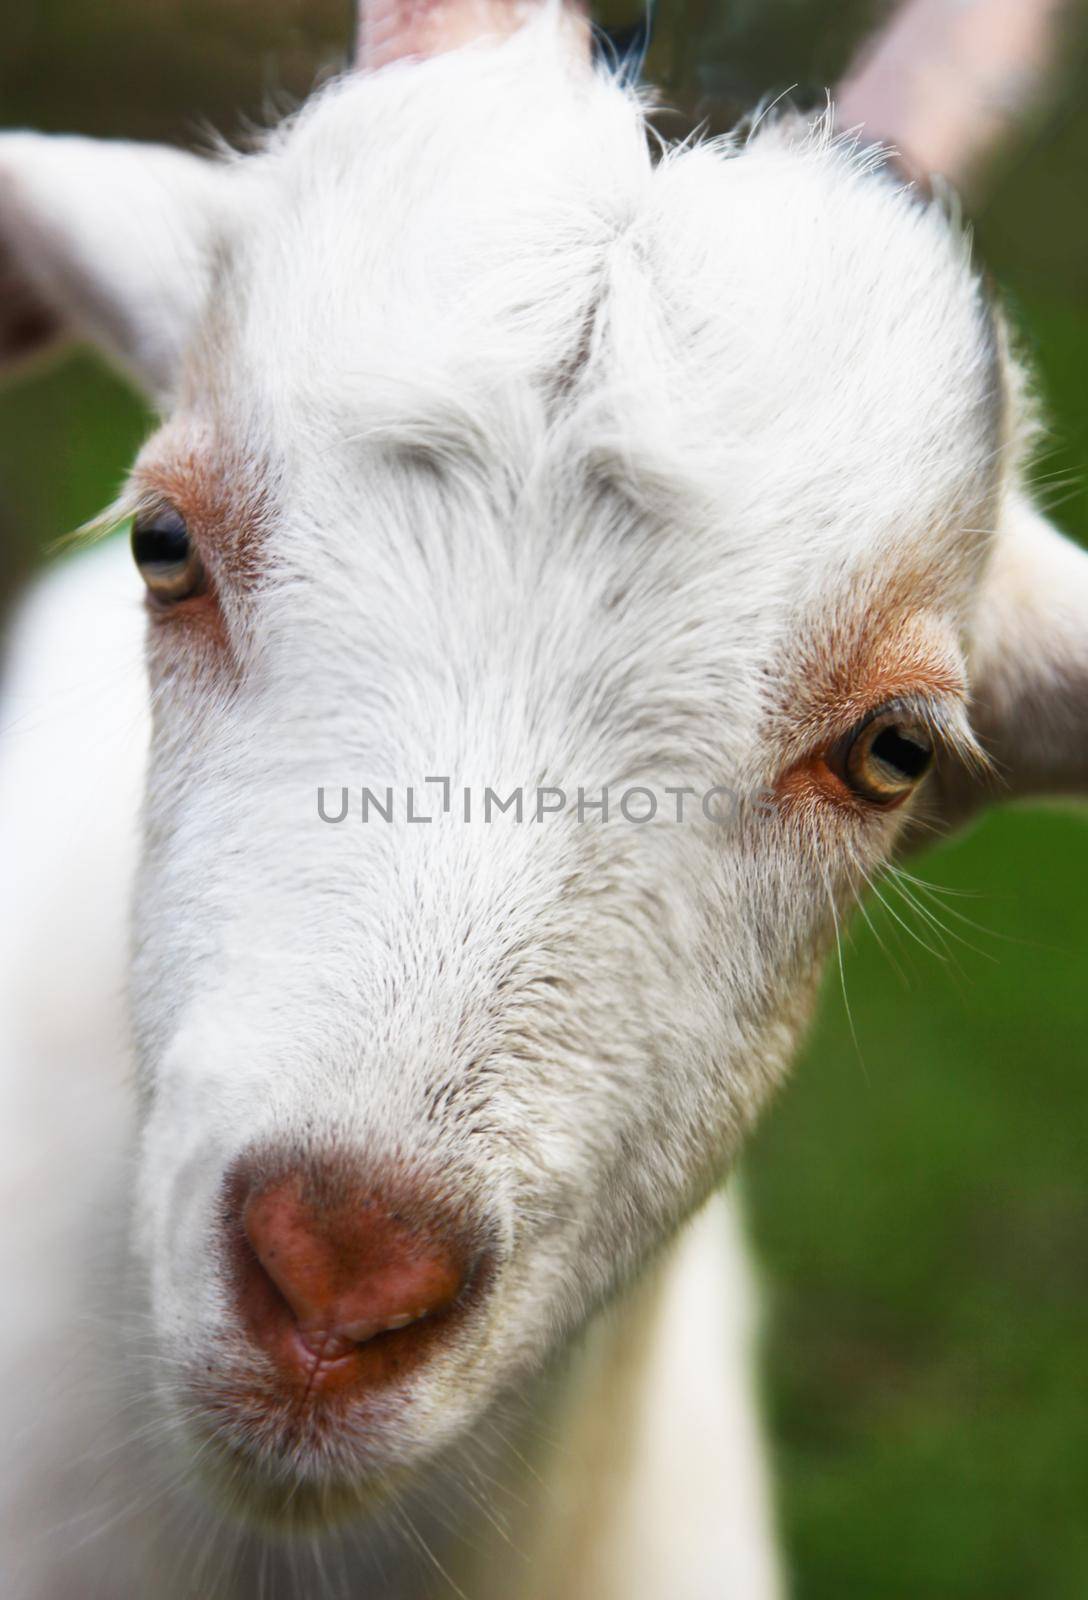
{"x": 305, "y": 1458}
{"x": 289, "y": 1467}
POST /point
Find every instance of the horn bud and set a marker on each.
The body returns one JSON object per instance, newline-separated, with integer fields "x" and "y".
{"x": 396, "y": 30}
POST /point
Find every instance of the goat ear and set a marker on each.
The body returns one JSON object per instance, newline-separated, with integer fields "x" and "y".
{"x": 104, "y": 242}
{"x": 1029, "y": 667}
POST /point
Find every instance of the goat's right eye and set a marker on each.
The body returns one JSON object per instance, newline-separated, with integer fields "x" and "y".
{"x": 886, "y": 757}
{"x": 166, "y": 556}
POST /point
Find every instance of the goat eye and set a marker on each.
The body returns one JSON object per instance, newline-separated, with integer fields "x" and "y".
{"x": 885, "y": 758}
{"x": 166, "y": 556}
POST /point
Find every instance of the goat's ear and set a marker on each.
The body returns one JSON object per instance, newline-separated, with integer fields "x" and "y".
{"x": 104, "y": 242}
{"x": 1029, "y": 667}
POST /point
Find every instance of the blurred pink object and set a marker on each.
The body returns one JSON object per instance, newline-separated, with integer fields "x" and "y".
{"x": 390, "y": 30}
{"x": 948, "y": 81}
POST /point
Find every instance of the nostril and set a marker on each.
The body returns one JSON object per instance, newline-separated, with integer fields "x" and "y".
{"x": 326, "y": 1270}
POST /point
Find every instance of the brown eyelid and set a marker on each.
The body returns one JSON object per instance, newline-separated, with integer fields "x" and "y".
{"x": 220, "y": 492}
{"x": 819, "y": 774}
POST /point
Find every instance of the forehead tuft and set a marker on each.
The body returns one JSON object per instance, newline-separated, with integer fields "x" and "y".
{"x": 481, "y": 247}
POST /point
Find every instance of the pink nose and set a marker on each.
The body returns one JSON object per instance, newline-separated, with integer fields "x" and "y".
{"x": 334, "y": 1283}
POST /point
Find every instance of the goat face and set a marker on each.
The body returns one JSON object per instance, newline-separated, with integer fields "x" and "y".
{"x": 495, "y": 451}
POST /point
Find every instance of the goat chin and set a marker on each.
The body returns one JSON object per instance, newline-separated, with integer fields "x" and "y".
{"x": 292, "y": 1500}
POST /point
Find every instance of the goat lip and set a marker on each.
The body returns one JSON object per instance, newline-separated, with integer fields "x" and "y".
{"x": 335, "y": 1344}
{"x": 324, "y": 1345}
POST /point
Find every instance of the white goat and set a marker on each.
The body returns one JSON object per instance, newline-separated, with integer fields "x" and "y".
{"x": 493, "y": 448}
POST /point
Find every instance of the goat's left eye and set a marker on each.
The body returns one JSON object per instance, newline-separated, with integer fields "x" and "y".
{"x": 166, "y": 556}
{"x": 886, "y": 758}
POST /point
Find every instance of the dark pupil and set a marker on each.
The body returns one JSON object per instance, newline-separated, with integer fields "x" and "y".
{"x": 164, "y": 544}
{"x": 900, "y": 753}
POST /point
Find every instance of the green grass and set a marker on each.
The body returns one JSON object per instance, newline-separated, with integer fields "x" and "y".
{"x": 66, "y": 440}
{"x": 920, "y": 1206}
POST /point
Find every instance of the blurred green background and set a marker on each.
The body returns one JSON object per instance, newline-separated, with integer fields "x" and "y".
{"x": 919, "y": 1194}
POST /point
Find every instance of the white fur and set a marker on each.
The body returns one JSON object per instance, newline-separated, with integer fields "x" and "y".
{"x": 577, "y": 468}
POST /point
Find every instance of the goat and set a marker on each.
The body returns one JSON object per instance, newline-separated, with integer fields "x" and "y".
{"x": 375, "y": 1245}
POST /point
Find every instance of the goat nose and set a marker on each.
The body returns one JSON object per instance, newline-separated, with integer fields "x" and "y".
{"x": 328, "y": 1272}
